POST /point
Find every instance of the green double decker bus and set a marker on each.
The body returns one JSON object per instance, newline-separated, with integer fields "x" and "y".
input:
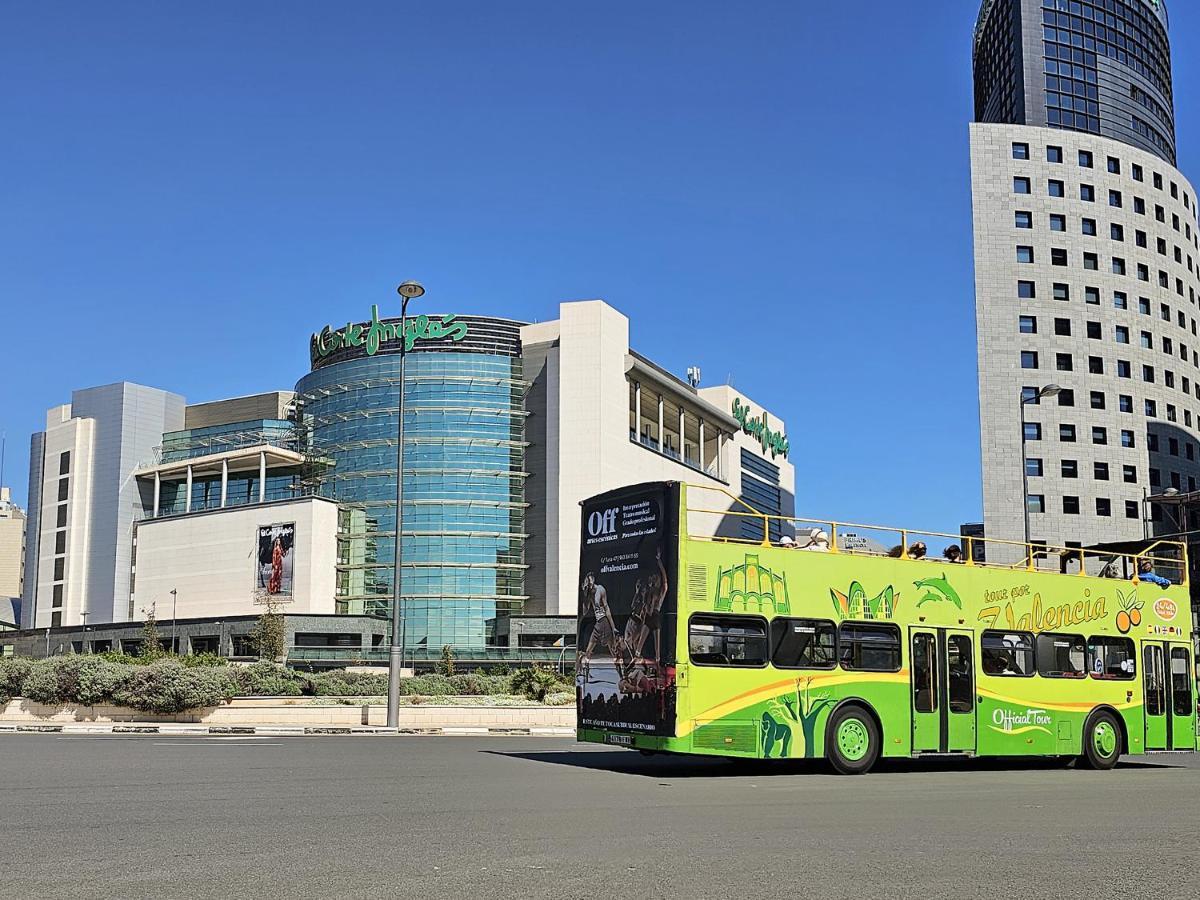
{"x": 694, "y": 638}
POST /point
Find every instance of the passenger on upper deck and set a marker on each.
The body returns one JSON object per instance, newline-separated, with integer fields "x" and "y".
{"x": 953, "y": 554}
{"x": 917, "y": 550}
{"x": 818, "y": 540}
{"x": 1146, "y": 573}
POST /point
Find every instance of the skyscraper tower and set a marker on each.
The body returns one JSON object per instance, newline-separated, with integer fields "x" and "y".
{"x": 1086, "y": 273}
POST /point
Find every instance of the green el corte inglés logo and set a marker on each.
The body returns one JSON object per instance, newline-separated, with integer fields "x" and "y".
{"x": 372, "y": 335}
{"x": 756, "y": 426}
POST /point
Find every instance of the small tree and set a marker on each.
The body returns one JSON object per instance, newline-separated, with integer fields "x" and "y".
{"x": 151, "y": 648}
{"x": 268, "y": 634}
{"x": 446, "y": 666}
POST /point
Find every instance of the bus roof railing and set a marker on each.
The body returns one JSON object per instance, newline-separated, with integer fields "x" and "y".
{"x": 1167, "y": 558}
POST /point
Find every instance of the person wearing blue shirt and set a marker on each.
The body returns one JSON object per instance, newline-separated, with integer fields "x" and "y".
{"x": 1146, "y": 573}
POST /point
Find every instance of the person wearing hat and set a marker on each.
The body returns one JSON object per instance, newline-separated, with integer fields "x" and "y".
{"x": 787, "y": 542}
{"x": 818, "y": 540}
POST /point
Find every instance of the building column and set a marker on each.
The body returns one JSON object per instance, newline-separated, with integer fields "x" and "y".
{"x": 187, "y": 500}
{"x": 224, "y": 481}
{"x": 662, "y": 405}
{"x": 637, "y": 411}
{"x": 701, "y": 453}
{"x": 262, "y": 476}
{"x": 157, "y": 494}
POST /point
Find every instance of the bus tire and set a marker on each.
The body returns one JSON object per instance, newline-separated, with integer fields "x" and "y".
{"x": 1101, "y": 741}
{"x": 852, "y": 741}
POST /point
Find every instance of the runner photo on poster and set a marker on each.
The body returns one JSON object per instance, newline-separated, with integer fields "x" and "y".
{"x": 275, "y": 556}
{"x": 626, "y": 629}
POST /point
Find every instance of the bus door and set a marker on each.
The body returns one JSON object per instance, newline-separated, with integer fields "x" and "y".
{"x": 943, "y": 690}
{"x": 1169, "y": 703}
{"x": 1182, "y": 727}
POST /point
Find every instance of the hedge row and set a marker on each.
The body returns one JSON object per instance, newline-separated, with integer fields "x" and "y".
{"x": 169, "y": 685}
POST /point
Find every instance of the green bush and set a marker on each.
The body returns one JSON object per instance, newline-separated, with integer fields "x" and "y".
{"x": 536, "y": 683}
{"x": 194, "y": 660}
{"x": 266, "y": 679}
{"x": 350, "y": 684}
{"x": 13, "y": 672}
{"x": 167, "y": 686}
{"x": 85, "y": 680}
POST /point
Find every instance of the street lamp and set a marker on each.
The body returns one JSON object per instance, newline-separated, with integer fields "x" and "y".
{"x": 1049, "y": 390}
{"x": 409, "y": 290}
{"x": 174, "y": 607}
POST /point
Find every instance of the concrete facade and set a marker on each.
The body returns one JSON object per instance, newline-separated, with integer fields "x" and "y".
{"x": 87, "y": 500}
{"x": 601, "y": 416}
{"x": 270, "y": 405}
{"x": 1110, "y": 310}
{"x": 12, "y": 549}
{"x": 210, "y": 559}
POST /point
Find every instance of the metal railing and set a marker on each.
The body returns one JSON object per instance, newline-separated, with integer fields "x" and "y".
{"x": 1167, "y": 558}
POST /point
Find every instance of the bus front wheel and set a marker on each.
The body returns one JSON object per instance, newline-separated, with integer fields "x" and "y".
{"x": 1101, "y": 741}
{"x": 852, "y": 741}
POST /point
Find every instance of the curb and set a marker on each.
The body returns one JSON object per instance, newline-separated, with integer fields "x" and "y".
{"x": 183, "y": 730}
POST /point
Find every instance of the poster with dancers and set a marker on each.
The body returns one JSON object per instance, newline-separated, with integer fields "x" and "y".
{"x": 626, "y": 633}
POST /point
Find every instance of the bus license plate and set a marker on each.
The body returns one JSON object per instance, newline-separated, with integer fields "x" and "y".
{"x": 621, "y": 740}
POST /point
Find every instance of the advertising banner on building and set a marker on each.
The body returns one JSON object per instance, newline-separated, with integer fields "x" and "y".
{"x": 275, "y": 557}
{"x": 626, "y": 632}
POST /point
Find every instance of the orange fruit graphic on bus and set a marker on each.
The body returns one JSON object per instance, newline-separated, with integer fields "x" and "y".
{"x": 1130, "y": 614}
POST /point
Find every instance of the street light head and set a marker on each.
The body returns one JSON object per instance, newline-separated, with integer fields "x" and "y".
{"x": 1049, "y": 390}
{"x": 410, "y": 290}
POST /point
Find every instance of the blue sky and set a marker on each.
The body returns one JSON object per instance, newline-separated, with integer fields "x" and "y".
{"x": 776, "y": 191}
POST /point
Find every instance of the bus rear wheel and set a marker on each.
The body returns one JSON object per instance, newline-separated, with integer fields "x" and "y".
{"x": 851, "y": 741}
{"x": 1101, "y": 741}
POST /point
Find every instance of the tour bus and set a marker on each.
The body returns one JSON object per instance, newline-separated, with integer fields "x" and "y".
{"x": 706, "y": 627}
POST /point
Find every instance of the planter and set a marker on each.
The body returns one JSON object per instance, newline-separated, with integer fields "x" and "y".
{"x": 301, "y": 711}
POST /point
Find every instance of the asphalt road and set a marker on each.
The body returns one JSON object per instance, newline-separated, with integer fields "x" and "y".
{"x": 156, "y": 816}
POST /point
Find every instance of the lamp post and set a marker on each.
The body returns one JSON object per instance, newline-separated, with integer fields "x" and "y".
{"x": 409, "y": 290}
{"x": 1049, "y": 390}
{"x": 174, "y": 619}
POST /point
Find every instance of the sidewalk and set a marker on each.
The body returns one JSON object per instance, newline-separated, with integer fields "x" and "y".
{"x": 188, "y": 730}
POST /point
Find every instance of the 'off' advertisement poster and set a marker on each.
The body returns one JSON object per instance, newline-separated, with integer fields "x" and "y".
{"x": 626, "y": 634}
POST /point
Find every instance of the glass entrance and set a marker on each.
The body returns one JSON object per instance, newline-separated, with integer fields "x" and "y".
{"x": 943, "y": 691}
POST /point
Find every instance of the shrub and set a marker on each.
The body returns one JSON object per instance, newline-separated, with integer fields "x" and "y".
{"x": 266, "y": 679}
{"x": 535, "y": 683}
{"x": 194, "y": 660}
{"x": 350, "y": 684}
{"x": 13, "y": 672}
{"x": 86, "y": 680}
{"x": 167, "y": 686}
{"x": 427, "y": 686}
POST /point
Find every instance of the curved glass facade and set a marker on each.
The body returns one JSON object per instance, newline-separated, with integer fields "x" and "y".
{"x": 464, "y": 510}
{"x": 1096, "y": 66}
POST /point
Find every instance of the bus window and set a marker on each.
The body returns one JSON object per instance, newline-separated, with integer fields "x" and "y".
{"x": 1181, "y": 684}
{"x": 803, "y": 644}
{"x": 958, "y": 667}
{"x": 1111, "y": 657}
{"x": 1061, "y": 655}
{"x": 924, "y": 675}
{"x": 727, "y": 641}
{"x": 1156, "y": 689}
{"x": 869, "y": 648}
{"x": 1008, "y": 653}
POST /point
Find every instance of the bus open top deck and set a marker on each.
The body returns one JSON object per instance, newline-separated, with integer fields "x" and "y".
{"x": 703, "y": 630}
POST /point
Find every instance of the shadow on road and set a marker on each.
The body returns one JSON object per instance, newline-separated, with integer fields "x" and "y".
{"x": 679, "y": 766}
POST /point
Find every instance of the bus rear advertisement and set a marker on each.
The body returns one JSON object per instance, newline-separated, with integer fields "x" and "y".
{"x": 695, "y": 639}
